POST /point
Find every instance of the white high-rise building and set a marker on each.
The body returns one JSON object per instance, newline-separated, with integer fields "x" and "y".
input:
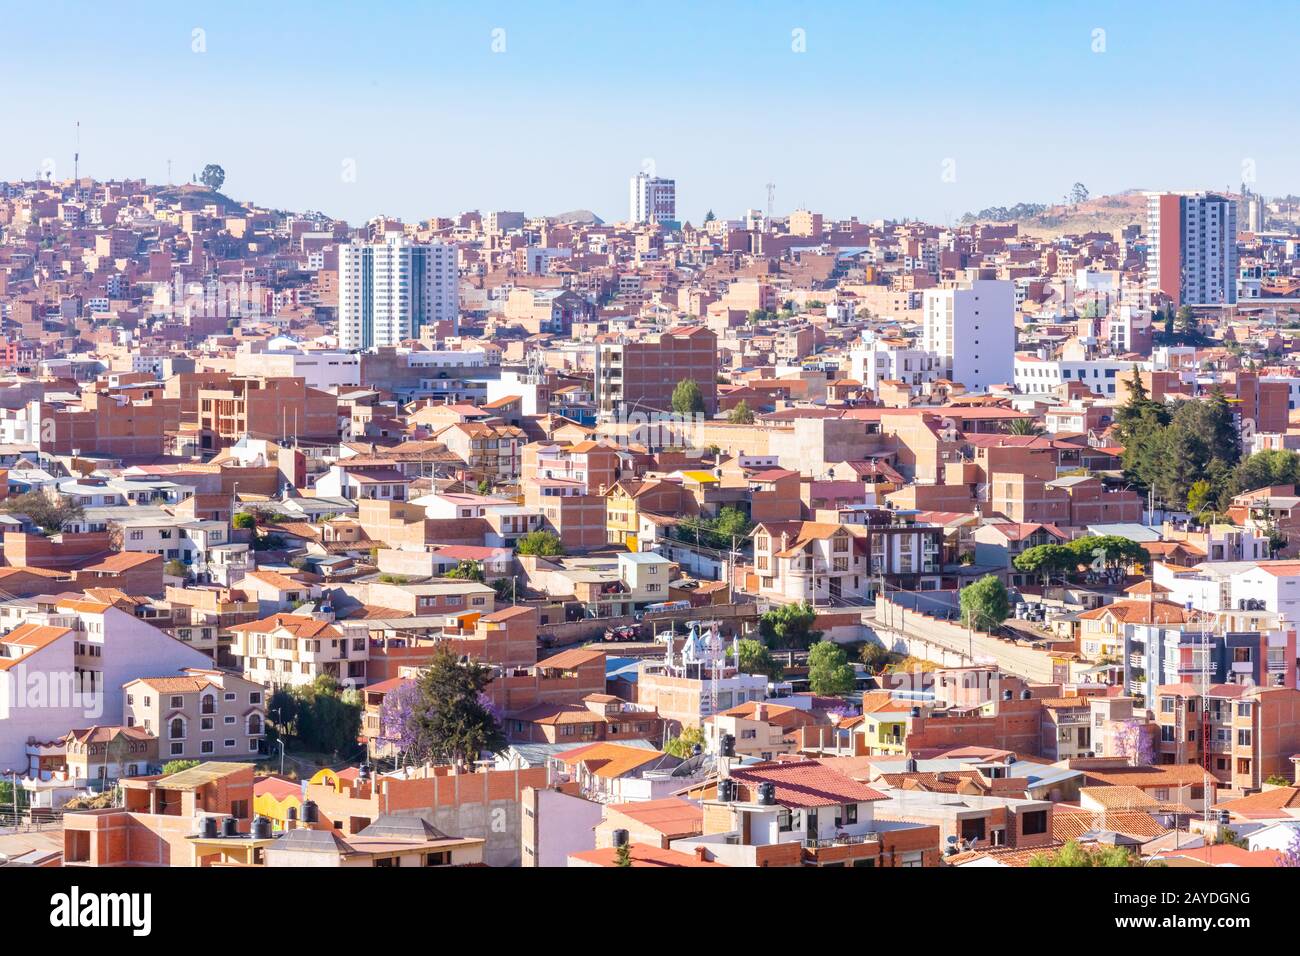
{"x": 972, "y": 329}
{"x": 1192, "y": 247}
{"x": 652, "y": 199}
{"x": 389, "y": 290}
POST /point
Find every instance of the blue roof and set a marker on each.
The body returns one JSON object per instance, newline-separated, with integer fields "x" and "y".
{"x": 622, "y": 667}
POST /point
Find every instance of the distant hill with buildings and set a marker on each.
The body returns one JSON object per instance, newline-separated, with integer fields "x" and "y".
{"x": 1095, "y": 214}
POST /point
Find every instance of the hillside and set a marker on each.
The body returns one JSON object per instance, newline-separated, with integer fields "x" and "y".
{"x": 1096, "y": 214}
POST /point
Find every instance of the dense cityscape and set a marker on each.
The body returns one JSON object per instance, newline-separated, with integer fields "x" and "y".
{"x": 712, "y": 538}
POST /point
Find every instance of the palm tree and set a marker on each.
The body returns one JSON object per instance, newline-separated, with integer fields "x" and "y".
{"x": 1025, "y": 426}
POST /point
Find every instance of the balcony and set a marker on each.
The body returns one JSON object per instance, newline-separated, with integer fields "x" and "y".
{"x": 844, "y": 839}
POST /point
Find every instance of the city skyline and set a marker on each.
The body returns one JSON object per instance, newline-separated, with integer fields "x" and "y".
{"x": 975, "y": 116}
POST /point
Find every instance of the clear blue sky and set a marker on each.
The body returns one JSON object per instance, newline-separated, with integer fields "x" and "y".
{"x": 861, "y": 123}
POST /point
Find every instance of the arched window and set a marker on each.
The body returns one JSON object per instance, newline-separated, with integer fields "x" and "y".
{"x": 177, "y": 730}
{"x": 254, "y": 724}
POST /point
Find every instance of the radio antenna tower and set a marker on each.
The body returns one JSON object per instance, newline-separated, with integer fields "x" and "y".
{"x": 771, "y": 198}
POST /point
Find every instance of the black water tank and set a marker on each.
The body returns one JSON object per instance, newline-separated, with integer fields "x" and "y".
{"x": 620, "y": 838}
{"x": 208, "y": 828}
{"x": 309, "y": 812}
{"x": 363, "y": 772}
{"x": 229, "y": 827}
{"x": 728, "y": 745}
{"x": 767, "y": 794}
{"x": 291, "y": 814}
{"x": 727, "y": 790}
{"x": 261, "y": 829}
{"x": 911, "y": 765}
{"x": 916, "y": 711}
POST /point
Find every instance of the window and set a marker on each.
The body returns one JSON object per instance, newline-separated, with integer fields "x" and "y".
{"x": 1034, "y": 822}
{"x": 206, "y": 747}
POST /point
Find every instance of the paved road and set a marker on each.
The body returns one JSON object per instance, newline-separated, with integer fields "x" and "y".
{"x": 1027, "y": 662}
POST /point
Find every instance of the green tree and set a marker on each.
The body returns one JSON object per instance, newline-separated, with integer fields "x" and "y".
{"x": 829, "y": 672}
{"x": 741, "y": 414}
{"x": 1186, "y": 320}
{"x": 176, "y": 569}
{"x": 455, "y": 716}
{"x": 875, "y": 656}
{"x": 48, "y": 512}
{"x": 542, "y": 543}
{"x": 984, "y": 604}
{"x": 1200, "y": 496}
{"x": 485, "y": 487}
{"x": 623, "y": 855}
{"x": 466, "y": 570}
{"x": 327, "y": 717}
{"x": 789, "y": 626}
{"x": 1265, "y": 469}
{"x": 1046, "y": 560}
{"x": 243, "y": 521}
{"x": 684, "y": 744}
{"x": 687, "y": 398}
{"x": 213, "y": 176}
{"x": 176, "y": 766}
{"x": 1108, "y": 554}
{"x": 709, "y": 216}
{"x": 730, "y": 527}
{"x": 754, "y": 658}
{"x": 1074, "y": 855}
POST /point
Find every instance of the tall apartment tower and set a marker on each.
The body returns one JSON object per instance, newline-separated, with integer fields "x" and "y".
{"x": 652, "y": 199}
{"x": 390, "y": 290}
{"x": 972, "y": 330}
{"x": 1192, "y": 248}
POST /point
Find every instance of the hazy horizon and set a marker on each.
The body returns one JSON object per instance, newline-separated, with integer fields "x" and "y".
{"x": 927, "y": 111}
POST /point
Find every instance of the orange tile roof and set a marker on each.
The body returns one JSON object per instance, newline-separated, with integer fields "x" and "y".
{"x": 643, "y": 855}
{"x": 804, "y": 783}
{"x": 671, "y": 816}
{"x": 607, "y": 760}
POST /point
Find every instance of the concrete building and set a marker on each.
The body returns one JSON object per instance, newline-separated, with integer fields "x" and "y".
{"x": 1192, "y": 248}
{"x": 198, "y": 715}
{"x": 640, "y": 376}
{"x": 389, "y": 291}
{"x": 652, "y": 199}
{"x": 973, "y": 331}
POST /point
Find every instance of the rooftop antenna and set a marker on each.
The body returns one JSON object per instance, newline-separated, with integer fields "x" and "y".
{"x": 76, "y": 157}
{"x": 771, "y": 197}
{"x": 169, "y": 172}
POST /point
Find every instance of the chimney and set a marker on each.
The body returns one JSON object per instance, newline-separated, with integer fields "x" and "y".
{"x": 701, "y": 854}
{"x": 760, "y": 711}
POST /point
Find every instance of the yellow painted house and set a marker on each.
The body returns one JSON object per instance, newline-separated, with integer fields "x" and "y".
{"x": 273, "y": 796}
{"x": 884, "y": 732}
